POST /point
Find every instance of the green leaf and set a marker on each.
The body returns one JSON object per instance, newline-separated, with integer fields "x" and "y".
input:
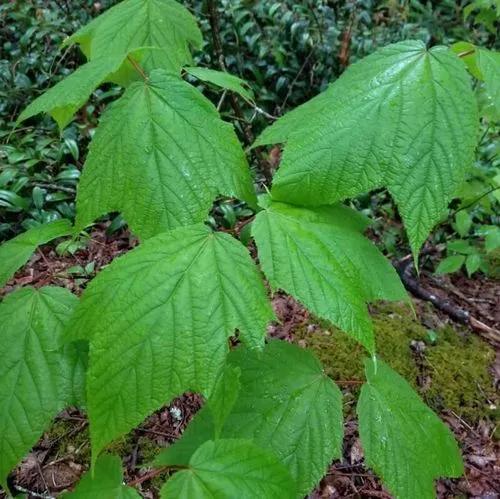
{"x": 470, "y": 60}
{"x": 246, "y": 234}
{"x": 38, "y": 196}
{"x": 223, "y": 80}
{"x": 224, "y": 396}
{"x": 481, "y": 4}
{"x": 288, "y": 125}
{"x": 472, "y": 263}
{"x": 159, "y": 319}
{"x": 160, "y": 156}
{"x": 163, "y": 24}
{"x": 492, "y": 240}
{"x": 73, "y": 371}
{"x": 321, "y": 258}
{"x": 404, "y": 441}
{"x": 488, "y": 62}
{"x": 226, "y": 469}
{"x": 286, "y": 404}
{"x": 460, "y": 246}
{"x": 34, "y": 368}
{"x": 66, "y": 97}
{"x": 486, "y": 14}
{"x": 200, "y": 429}
{"x": 106, "y": 482}
{"x": 463, "y": 222}
{"x": 17, "y": 251}
{"x": 450, "y": 264}
{"x": 404, "y": 117}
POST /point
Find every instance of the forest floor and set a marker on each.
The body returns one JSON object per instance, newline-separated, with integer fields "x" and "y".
{"x": 456, "y": 371}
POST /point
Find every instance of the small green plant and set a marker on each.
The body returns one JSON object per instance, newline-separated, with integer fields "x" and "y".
{"x": 156, "y": 322}
{"x": 474, "y": 257}
{"x": 472, "y": 236}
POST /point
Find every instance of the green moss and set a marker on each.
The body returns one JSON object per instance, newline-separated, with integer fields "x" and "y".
{"x": 342, "y": 357}
{"x": 456, "y": 365}
{"x": 460, "y": 381}
{"x": 493, "y": 262}
{"x": 67, "y": 437}
{"x": 148, "y": 449}
{"x": 124, "y": 446}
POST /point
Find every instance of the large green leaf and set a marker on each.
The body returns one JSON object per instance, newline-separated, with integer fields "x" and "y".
{"x": 286, "y": 404}
{"x": 17, "y": 251}
{"x": 404, "y": 441}
{"x": 106, "y": 482}
{"x": 488, "y": 62}
{"x": 34, "y": 368}
{"x": 404, "y": 117}
{"x": 224, "y": 396}
{"x": 226, "y": 469}
{"x": 160, "y": 156}
{"x": 321, "y": 257}
{"x": 159, "y": 319}
{"x": 164, "y": 25}
{"x": 72, "y": 373}
{"x": 66, "y": 97}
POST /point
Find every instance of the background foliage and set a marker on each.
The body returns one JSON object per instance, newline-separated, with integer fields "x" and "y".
{"x": 287, "y": 51}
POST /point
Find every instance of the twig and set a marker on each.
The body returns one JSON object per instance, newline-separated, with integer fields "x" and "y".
{"x": 348, "y": 382}
{"x": 259, "y": 110}
{"x": 453, "y": 290}
{"x": 219, "y": 53}
{"x": 335, "y": 472}
{"x": 32, "y": 494}
{"x": 153, "y": 474}
{"x": 54, "y": 66}
{"x": 158, "y": 433}
{"x": 147, "y": 476}
{"x": 54, "y": 187}
{"x": 44, "y": 258}
{"x": 404, "y": 268}
{"x": 40, "y": 472}
{"x": 346, "y": 41}
{"x": 221, "y": 100}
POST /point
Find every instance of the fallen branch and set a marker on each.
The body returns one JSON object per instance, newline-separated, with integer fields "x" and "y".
{"x": 458, "y": 314}
{"x": 54, "y": 187}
